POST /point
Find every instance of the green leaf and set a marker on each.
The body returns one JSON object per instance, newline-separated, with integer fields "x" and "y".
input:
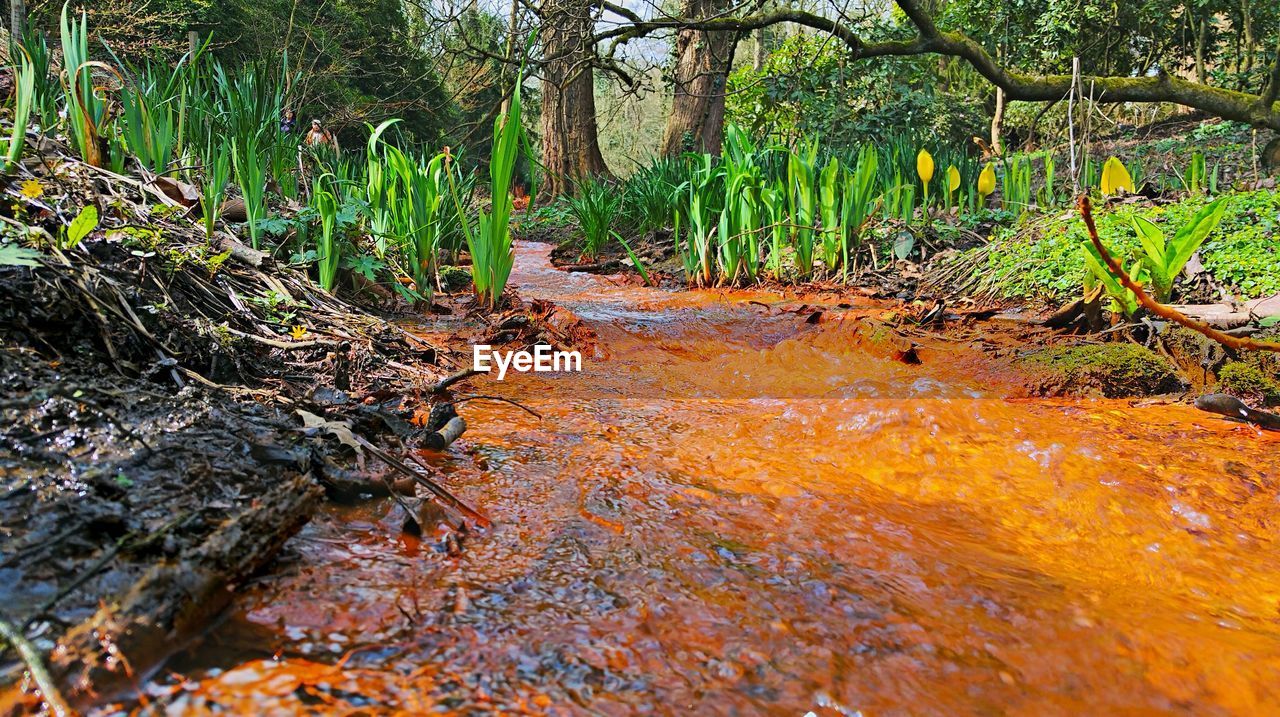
{"x": 366, "y": 266}
{"x": 86, "y": 221}
{"x": 274, "y": 226}
{"x": 1152, "y": 239}
{"x": 1193, "y": 233}
{"x": 409, "y": 295}
{"x": 1124, "y": 298}
{"x": 644, "y": 273}
{"x": 14, "y": 255}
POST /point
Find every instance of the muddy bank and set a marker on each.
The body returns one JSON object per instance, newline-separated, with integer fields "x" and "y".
{"x": 153, "y": 464}
{"x": 1047, "y": 353}
{"x": 132, "y": 512}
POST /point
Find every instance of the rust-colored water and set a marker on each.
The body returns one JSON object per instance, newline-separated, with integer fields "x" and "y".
{"x": 736, "y": 513}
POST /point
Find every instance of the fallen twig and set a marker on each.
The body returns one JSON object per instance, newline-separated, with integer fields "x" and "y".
{"x": 517, "y": 404}
{"x": 451, "y": 379}
{"x": 441, "y": 492}
{"x": 48, "y": 688}
{"x": 1155, "y": 307}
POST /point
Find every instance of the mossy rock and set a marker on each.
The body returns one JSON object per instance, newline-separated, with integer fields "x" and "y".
{"x": 454, "y": 278}
{"x": 1267, "y": 362}
{"x": 1250, "y": 383}
{"x": 1110, "y": 370}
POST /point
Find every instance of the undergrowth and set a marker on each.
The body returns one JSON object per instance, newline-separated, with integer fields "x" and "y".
{"x": 1041, "y": 256}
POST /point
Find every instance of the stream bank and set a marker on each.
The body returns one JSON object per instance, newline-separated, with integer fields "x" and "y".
{"x": 176, "y": 408}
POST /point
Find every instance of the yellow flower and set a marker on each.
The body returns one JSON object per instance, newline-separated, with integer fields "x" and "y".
{"x": 953, "y": 178}
{"x": 32, "y": 189}
{"x": 298, "y": 332}
{"x": 924, "y": 166}
{"x": 987, "y": 181}
{"x": 1115, "y": 178}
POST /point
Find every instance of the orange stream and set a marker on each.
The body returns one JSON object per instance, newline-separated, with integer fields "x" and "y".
{"x": 734, "y": 513}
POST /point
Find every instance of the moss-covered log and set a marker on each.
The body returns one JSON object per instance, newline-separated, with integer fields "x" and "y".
{"x": 1258, "y": 110}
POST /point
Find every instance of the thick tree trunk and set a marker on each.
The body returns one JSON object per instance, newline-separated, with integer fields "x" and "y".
{"x": 696, "y": 122}
{"x": 570, "y": 143}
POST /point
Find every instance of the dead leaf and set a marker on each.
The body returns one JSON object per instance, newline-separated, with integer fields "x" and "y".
{"x": 338, "y": 429}
{"x": 180, "y": 192}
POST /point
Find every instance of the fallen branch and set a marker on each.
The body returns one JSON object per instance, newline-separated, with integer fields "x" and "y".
{"x": 451, "y": 379}
{"x": 448, "y": 433}
{"x": 244, "y": 254}
{"x": 600, "y": 267}
{"x": 56, "y": 703}
{"x": 177, "y": 597}
{"x": 517, "y": 404}
{"x": 441, "y": 492}
{"x": 1239, "y": 343}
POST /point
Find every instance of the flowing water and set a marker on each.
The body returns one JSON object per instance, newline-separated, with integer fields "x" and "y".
{"x": 734, "y": 511}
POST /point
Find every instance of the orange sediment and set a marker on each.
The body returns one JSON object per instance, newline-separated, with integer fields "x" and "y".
{"x": 738, "y": 512}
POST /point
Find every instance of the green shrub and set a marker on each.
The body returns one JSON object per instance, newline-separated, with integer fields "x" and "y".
{"x": 595, "y": 205}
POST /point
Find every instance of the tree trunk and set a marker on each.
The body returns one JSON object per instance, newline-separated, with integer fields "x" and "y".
{"x": 1250, "y": 41}
{"x": 997, "y": 119}
{"x": 570, "y": 143}
{"x": 512, "y": 26}
{"x": 1202, "y": 40}
{"x": 997, "y": 124}
{"x": 758, "y": 60}
{"x": 17, "y": 18}
{"x": 696, "y": 122}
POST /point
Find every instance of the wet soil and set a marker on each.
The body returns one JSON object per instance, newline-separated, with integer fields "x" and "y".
{"x": 126, "y": 504}
{"x": 735, "y": 509}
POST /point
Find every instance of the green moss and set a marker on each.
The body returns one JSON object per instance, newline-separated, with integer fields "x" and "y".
{"x": 454, "y": 278}
{"x": 1249, "y": 382}
{"x": 1111, "y": 370}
